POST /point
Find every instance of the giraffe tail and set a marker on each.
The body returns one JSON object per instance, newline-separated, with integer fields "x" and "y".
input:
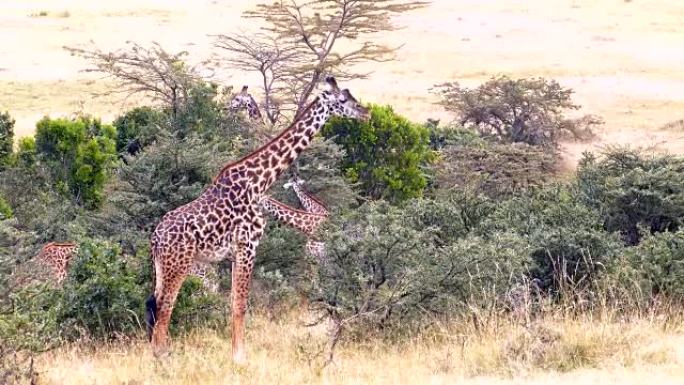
{"x": 150, "y": 315}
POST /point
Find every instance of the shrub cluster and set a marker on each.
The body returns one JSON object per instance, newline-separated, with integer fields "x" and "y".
{"x": 426, "y": 221}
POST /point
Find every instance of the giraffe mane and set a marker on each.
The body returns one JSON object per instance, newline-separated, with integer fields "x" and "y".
{"x": 263, "y": 147}
{"x": 313, "y": 198}
{"x": 61, "y": 244}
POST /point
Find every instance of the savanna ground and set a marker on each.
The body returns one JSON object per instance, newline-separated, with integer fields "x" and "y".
{"x": 622, "y": 58}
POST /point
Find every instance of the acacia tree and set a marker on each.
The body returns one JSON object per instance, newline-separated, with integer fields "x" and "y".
{"x": 517, "y": 110}
{"x": 153, "y": 72}
{"x": 301, "y": 43}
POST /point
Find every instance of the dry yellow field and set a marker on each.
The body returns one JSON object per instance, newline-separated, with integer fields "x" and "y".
{"x": 501, "y": 351}
{"x": 623, "y": 58}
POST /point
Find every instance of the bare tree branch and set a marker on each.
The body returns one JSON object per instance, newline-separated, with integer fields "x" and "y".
{"x": 303, "y": 38}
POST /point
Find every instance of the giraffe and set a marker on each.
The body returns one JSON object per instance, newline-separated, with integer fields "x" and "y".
{"x": 226, "y": 219}
{"x": 308, "y": 200}
{"x": 313, "y": 205}
{"x": 245, "y": 100}
{"x": 304, "y": 221}
{"x": 58, "y": 256}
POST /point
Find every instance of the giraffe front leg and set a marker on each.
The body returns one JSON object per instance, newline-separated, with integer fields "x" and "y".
{"x": 241, "y": 281}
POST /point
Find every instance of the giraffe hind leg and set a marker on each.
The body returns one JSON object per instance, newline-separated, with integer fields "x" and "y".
{"x": 167, "y": 287}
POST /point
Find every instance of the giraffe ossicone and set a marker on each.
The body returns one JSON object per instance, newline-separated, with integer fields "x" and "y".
{"x": 226, "y": 219}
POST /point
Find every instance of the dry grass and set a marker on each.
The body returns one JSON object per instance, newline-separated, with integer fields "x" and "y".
{"x": 496, "y": 350}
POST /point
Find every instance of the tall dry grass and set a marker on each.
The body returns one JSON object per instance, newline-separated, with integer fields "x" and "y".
{"x": 480, "y": 347}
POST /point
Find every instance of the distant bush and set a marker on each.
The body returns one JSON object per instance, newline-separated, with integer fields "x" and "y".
{"x": 6, "y": 139}
{"x": 79, "y": 154}
{"x": 631, "y": 189}
{"x": 442, "y": 136}
{"x": 136, "y": 129}
{"x": 658, "y": 262}
{"x": 568, "y": 245}
{"x": 385, "y": 155}
{"x": 517, "y": 110}
{"x": 27, "y": 152}
{"x": 495, "y": 169}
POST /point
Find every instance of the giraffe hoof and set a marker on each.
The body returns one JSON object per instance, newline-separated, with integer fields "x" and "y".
{"x": 161, "y": 353}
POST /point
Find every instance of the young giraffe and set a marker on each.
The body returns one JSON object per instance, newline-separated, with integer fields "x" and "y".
{"x": 226, "y": 218}
{"x": 245, "y": 100}
{"x": 313, "y": 205}
{"x": 58, "y": 256}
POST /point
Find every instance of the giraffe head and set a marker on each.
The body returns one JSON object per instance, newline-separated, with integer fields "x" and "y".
{"x": 241, "y": 100}
{"x": 342, "y": 103}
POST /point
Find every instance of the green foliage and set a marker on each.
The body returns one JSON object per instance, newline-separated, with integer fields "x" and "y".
{"x": 28, "y": 318}
{"x": 166, "y": 174}
{"x": 78, "y": 154}
{"x": 195, "y": 306}
{"x": 631, "y": 189}
{"x": 385, "y": 155}
{"x": 27, "y": 152}
{"x": 101, "y": 296}
{"x": 658, "y": 261}
{"x": 442, "y": 136}
{"x": 385, "y": 265}
{"x": 495, "y": 169}
{"x": 6, "y": 139}
{"x": 5, "y": 209}
{"x": 517, "y": 110}
{"x": 568, "y": 244}
{"x": 136, "y": 128}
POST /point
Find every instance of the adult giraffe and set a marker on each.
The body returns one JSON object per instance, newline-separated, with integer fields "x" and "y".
{"x": 226, "y": 218}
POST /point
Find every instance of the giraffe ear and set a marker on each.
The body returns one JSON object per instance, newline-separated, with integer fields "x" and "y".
{"x": 348, "y": 95}
{"x": 332, "y": 83}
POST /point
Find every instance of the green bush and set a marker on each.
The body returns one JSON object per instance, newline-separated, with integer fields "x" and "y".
{"x": 631, "y": 190}
{"x": 5, "y": 209}
{"x": 495, "y": 169}
{"x": 102, "y": 298}
{"x": 384, "y": 266}
{"x": 6, "y": 139}
{"x": 658, "y": 262}
{"x": 78, "y": 154}
{"x": 385, "y": 155}
{"x": 27, "y": 152}
{"x": 166, "y": 174}
{"x": 136, "y": 128}
{"x": 28, "y": 318}
{"x": 568, "y": 244}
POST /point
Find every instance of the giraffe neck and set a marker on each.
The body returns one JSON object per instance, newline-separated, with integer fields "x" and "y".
{"x": 311, "y": 204}
{"x": 303, "y": 221}
{"x": 253, "y": 110}
{"x": 258, "y": 171}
